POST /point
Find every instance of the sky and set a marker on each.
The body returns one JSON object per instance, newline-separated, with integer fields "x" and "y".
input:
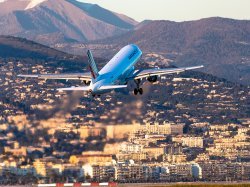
{"x": 177, "y": 10}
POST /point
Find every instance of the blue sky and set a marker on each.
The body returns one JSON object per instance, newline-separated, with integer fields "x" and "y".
{"x": 177, "y": 10}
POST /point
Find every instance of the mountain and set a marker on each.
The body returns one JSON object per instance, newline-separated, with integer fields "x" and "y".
{"x": 52, "y": 21}
{"x": 13, "y": 49}
{"x": 222, "y": 45}
{"x": 105, "y": 15}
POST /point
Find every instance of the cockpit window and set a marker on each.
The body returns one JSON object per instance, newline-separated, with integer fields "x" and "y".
{"x": 133, "y": 54}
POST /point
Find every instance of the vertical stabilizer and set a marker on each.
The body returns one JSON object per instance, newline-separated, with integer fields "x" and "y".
{"x": 92, "y": 65}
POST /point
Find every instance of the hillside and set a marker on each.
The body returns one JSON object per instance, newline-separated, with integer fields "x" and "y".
{"x": 222, "y": 45}
{"x": 172, "y": 99}
{"x": 11, "y": 47}
{"x": 52, "y": 21}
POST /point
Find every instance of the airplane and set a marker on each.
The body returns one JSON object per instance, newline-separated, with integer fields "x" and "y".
{"x": 114, "y": 75}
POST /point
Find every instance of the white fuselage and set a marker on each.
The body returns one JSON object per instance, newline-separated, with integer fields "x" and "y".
{"x": 116, "y": 71}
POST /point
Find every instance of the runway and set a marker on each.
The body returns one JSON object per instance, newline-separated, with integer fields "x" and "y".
{"x": 178, "y": 184}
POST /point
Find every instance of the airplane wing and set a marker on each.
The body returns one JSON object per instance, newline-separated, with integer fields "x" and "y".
{"x": 66, "y": 76}
{"x": 139, "y": 74}
{"x": 84, "y": 88}
{"x": 112, "y": 87}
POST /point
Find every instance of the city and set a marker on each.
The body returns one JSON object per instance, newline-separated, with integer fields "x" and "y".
{"x": 74, "y": 146}
{"x": 131, "y": 124}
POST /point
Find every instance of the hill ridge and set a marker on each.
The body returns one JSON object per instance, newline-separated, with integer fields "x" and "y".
{"x": 52, "y": 21}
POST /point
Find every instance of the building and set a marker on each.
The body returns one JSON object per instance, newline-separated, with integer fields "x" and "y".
{"x": 177, "y": 129}
{"x": 134, "y": 156}
{"x": 130, "y": 172}
{"x": 131, "y": 147}
{"x": 193, "y": 141}
{"x": 104, "y": 173}
{"x": 196, "y": 171}
{"x": 22, "y": 151}
{"x": 92, "y": 158}
{"x": 180, "y": 172}
{"x": 214, "y": 171}
{"x": 40, "y": 167}
{"x": 175, "y": 158}
{"x": 87, "y": 131}
{"x": 156, "y": 128}
{"x": 153, "y": 151}
{"x": 174, "y": 148}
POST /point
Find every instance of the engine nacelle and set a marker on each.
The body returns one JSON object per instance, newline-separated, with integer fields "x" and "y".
{"x": 152, "y": 78}
{"x": 87, "y": 83}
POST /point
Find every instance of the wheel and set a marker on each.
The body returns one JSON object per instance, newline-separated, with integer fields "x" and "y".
{"x": 135, "y": 91}
{"x": 140, "y": 91}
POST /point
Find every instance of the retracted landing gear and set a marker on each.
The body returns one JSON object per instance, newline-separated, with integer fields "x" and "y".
{"x": 138, "y": 89}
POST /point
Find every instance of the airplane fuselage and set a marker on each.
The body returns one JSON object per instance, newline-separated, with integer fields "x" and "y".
{"x": 117, "y": 69}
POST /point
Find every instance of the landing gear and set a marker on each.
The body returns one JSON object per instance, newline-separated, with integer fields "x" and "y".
{"x": 138, "y": 89}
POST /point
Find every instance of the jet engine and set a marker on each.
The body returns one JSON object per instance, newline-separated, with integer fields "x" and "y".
{"x": 87, "y": 83}
{"x": 152, "y": 78}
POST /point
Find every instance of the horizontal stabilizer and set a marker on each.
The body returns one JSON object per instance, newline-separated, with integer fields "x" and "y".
{"x": 28, "y": 76}
{"x": 112, "y": 87}
{"x": 64, "y": 76}
{"x": 84, "y": 88}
